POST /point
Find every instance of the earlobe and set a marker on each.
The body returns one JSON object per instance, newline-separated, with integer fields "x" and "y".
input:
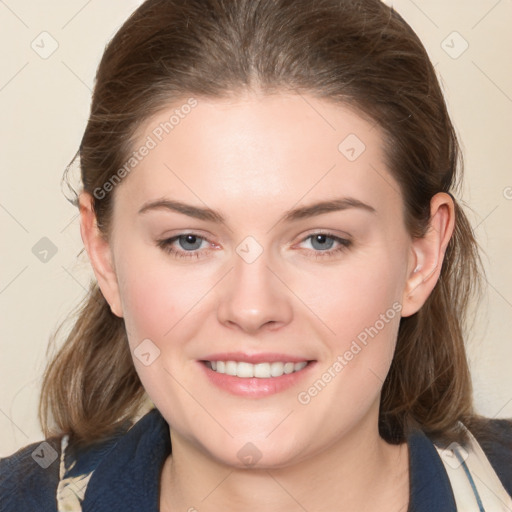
{"x": 427, "y": 254}
{"x": 100, "y": 254}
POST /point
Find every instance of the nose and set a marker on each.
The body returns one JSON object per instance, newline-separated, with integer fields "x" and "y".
{"x": 254, "y": 297}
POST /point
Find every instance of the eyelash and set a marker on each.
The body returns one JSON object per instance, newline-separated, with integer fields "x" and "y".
{"x": 166, "y": 245}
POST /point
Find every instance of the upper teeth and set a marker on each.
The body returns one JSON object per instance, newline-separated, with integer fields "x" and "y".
{"x": 261, "y": 370}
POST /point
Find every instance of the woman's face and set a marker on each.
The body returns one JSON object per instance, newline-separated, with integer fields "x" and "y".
{"x": 261, "y": 231}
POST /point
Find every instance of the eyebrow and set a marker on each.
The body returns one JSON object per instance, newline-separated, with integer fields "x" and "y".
{"x": 295, "y": 214}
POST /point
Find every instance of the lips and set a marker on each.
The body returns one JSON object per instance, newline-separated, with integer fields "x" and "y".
{"x": 255, "y": 375}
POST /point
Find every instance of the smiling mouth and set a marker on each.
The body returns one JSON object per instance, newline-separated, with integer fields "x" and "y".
{"x": 246, "y": 370}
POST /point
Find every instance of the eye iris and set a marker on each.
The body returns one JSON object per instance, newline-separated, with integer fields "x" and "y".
{"x": 190, "y": 239}
{"x": 322, "y": 239}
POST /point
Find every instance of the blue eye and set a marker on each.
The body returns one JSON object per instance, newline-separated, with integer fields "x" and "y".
{"x": 190, "y": 245}
{"x": 321, "y": 239}
{"x": 324, "y": 242}
{"x": 185, "y": 240}
{"x": 193, "y": 240}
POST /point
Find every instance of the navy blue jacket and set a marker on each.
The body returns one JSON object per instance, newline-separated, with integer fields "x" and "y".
{"x": 127, "y": 470}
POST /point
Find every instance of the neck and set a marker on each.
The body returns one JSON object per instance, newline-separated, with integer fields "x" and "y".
{"x": 360, "y": 472}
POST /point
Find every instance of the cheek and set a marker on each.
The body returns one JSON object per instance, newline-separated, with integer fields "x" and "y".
{"x": 158, "y": 305}
{"x": 156, "y": 296}
{"x": 361, "y": 309}
{"x": 148, "y": 308}
{"x": 352, "y": 297}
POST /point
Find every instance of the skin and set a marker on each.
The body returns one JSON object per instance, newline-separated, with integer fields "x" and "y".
{"x": 252, "y": 158}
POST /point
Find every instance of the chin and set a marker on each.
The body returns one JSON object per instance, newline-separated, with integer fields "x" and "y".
{"x": 256, "y": 455}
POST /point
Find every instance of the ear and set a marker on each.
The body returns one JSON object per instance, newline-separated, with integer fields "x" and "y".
{"x": 100, "y": 254}
{"x": 427, "y": 254}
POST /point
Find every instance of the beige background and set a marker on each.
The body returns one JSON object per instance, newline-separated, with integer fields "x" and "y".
{"x": 44, "y": 101}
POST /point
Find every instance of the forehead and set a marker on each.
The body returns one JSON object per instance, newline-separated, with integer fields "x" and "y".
{"x": 255, "y": 152}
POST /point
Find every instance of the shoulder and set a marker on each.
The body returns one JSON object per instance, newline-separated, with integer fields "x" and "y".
{"x": 136, "y": 457}
{"x": 29, "y": 477}
{"x": 45, "y": 478}
{"x": 495, "y": 438}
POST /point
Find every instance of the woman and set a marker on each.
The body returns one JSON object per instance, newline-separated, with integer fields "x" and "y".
{"x": 282, "y": 269}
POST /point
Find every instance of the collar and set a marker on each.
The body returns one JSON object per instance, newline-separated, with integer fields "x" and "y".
{"x": 127, "y": 474}
{"x": 429, "y": 488}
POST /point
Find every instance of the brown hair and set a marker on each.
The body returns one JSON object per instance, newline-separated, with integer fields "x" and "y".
{"x": 358, "y": 53}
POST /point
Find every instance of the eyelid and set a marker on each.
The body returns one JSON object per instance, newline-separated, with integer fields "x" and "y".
{"x": 337, "y": 235}
{"x": 166, "y": 241}
{"x": 343, "y": 235}
{"x": 166, "y": 244}
{"x": 343, "y": 243}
